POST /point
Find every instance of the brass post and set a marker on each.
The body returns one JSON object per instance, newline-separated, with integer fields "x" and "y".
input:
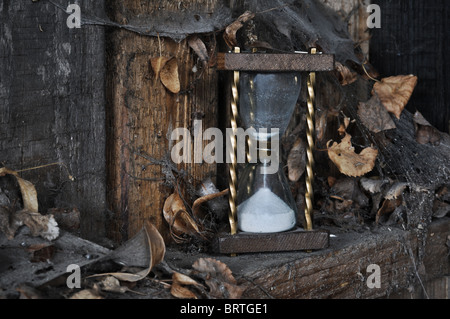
{"x": 233, "y": 159}
{"x": 309, "y": 195}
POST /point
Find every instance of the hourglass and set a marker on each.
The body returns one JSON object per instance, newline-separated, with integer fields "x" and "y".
{"x": 265, "y": 90}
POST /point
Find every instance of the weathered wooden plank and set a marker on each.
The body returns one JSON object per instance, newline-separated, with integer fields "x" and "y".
{"x": 142, "y": 114}
{"x": 342, "y": 270}
{"x": 52, "y": 106}
{"x": 295, "y": 240}
{"x": 275, "y": 62}
{"x": 16, "y": 268}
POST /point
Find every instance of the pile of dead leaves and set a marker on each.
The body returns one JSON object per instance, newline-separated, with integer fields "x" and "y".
{"x": 208, "y": 278}
{"x": 182, "y": 223}
{"x": 356, "y": 194}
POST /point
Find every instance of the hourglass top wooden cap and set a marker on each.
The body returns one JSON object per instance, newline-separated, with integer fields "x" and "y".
{"x": 275, "y": 62}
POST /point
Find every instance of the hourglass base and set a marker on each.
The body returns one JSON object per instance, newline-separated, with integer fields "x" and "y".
{"x": 294, "y": 240}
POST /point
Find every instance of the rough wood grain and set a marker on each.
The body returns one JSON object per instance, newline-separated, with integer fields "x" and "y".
{"x": 342, "y": 273}
{"x": 52, "y": 104}
{"x": 275, "y": 62}
{"x": 295, "y": 240}
{"x": 142, "y": 114}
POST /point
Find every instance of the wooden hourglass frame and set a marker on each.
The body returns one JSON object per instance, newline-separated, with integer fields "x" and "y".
{"x": 299, "y": 238}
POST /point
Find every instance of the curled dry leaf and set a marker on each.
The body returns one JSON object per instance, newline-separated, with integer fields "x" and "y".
{"x": 425, "y": 132}
{"x": 40, "y": 225}
{"x": 183, "y": 279}
{"x": 29, "y": 194}
{"x": 179, "y": 220}
{"x": 178, "y": 290}
{"x": 348, "y": 162}
{"x": 157, "y": 64}
{"x": 156, "y": 248}
{"x": 372, "y": 186}
{"x": 206, "y": 198}
{"x": 374, "y": 116}
{"x": 419, "y": 119}
{"x": 218, "y": 277}
{"x": 182, "y": 292}
{"x": 389, "y": 205}
{"x": 394, "y": 92}
{"x": 396, "y": 190}
{"x": 112, "y": 284}
{"x": 297, "y": 160}
{"x": 230, "y": 32}
{"x": 321, "y": 125}
{"x": 199, "y": 48}
{"x": 86, "y": 294}
{"x": 345, "y": 75}
{"x": 169, "y": 76}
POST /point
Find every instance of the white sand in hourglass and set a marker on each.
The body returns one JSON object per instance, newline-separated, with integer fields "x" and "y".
{"x": 265, "y": 212}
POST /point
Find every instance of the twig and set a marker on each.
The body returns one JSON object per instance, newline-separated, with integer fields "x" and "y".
{"x": 365, "y": 71}
{"x": 47, "y": 165}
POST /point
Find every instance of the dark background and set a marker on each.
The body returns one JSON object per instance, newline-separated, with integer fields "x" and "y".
{"x": 415, "y": 39}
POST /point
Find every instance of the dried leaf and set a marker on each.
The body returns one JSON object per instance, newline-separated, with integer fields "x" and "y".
{"x": 169, "y": 76}
{"x": 29, "y": 194}
{"x": 231, "y": 30}
{"x": 199, "y": 48}
{"x": 419, "y": 119}
{"x": 182, "y": 279}
{"x": 321, "y": 126}
{"x": 112, "y": 284}
{"x": 347, "y": 189}
{"x": 157, "y": 64}
{"x": 39, "y": 225}
{"x": 218, "y": 277}
{"x": 389, "y": 205}
{"x": 345, "y": 75}
{"x": 348, "y": 162}
{"x": 396, "y": 190}
{"x": 296, "y": 161}
{"x": 178, "y": 282}
{"x": 86, "y": 294}
{"x": 206, "y": 198}
{"x": 372, "y": 185}
{"x": 394, "y": 92}
{"x": 157, "y": 250}
{"x": 342, "y": 130}
{"x": 374, "y": 116}
{"x": 181, "y": 292}
{"x": 178, "y": 218}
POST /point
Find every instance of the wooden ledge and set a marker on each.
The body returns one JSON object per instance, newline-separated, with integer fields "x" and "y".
{"x": 341, "y": 270}
{"x": 295, "y": 240}
{"x": 262, "y": 62}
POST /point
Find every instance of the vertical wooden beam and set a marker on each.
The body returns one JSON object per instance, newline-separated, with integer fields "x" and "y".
{"x": 142, "y": 114}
